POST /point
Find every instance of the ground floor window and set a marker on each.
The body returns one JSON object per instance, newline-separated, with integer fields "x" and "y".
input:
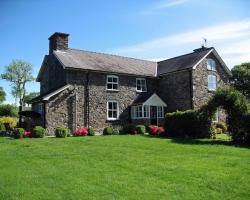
{"x": 112, "y": 110}
{"x": 145, "y": 111}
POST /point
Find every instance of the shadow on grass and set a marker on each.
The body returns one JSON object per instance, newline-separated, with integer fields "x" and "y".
{"x": 190, "y": 141}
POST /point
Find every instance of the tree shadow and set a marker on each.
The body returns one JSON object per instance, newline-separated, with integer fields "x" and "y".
{"x": 191, "y": 141}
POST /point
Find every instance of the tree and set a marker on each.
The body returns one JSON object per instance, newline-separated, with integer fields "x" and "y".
{"x": 2, "y": 95}
{"x": 18, "y": 72}
{"x": 241, "y": 78}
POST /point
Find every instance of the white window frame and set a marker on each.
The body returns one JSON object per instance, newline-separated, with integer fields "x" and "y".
{"x": 112, "y": 83}
{"x": 146, "y": 111}
{"x": 141, "y": 79}
{"x": 117, "y": 110}
{"x": 211, "y": 64}
{"x": 209, "y": 78}
{"x": 160, "y": 112}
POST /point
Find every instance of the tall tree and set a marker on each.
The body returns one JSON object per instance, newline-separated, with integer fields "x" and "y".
{"x": 2, "y": 95}
{"x": 18, "y": 72}
{"x": 241, "y": 78}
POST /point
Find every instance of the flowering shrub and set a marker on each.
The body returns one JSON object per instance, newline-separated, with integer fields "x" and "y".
{"x": 81, "y": 132}
{"x": 161, "y": 131}
{"x": 27, "y": 134}
{"x": 155, "y": 130}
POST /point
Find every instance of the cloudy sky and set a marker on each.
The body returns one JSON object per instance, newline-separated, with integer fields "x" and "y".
{"x": 147, "y": 29}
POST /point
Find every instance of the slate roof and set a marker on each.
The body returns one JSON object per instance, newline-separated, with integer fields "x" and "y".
{"x": 79, "y": 59}
{"x": 142, "y": 97}
{"x": 182, "y": 62}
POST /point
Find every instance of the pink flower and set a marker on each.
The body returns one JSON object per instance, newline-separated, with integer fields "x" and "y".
{"x": 26, "y": 134}
{"x": 81, "y": 132}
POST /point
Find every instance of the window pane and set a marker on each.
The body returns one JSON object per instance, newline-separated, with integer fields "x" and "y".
{"x": 115, "y": 80}
{"x": 115, "y": 114}
{"x": 109, "y": 79}
{"x": 110, "y": 114}
{"x": 114, "y": 105}
{"x": 115, "y": 86}
{"x": 110, "y": 105}
{"x": 109, "y": 86}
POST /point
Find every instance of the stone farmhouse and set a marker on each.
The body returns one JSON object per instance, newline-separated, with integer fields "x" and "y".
{"x": 82, "y": 88}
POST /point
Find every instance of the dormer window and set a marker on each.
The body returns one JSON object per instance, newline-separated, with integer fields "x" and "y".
{"x": 141, "y": 85}
{"x": 211, "y": 65}
{"x": 112, "y": 82}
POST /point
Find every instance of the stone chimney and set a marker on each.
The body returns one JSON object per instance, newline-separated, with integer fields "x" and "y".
{"x": 58, "y": 41}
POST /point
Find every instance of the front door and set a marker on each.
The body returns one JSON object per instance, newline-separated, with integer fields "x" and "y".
{"x": 153, "y": 115}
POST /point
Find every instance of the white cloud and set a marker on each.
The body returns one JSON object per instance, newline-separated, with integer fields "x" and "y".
{"x": 162, "y": 5}
{"x": 230, "y": 39}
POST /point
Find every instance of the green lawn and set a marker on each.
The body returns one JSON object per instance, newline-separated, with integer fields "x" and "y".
{"x": 122, "y": 167}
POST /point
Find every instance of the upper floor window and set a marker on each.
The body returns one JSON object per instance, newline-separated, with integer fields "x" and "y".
{"x": 212, "y": 82}
{"x": 112, "y": 110}
{"x": 211, "y": 65}
{"x": 141, "y": 85}
{"x": 112, "y": 82}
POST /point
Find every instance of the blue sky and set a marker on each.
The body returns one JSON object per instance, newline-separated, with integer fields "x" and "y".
{"x": 144, "y": 29}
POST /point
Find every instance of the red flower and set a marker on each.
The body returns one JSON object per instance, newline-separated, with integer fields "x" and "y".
{"x": 26, "y": 134}
{"x": 155, "y": 130}
{"x": 161, "y": 131}
{"x": 81, "y": 132}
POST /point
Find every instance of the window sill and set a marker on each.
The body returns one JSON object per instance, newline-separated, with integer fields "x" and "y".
{"x": 211, "y": 90}
{"x": 137, "y": 91}
{"x": 110, "y": 90}
{"x": 108, "y": 120}
{"x": 211, "y": 70}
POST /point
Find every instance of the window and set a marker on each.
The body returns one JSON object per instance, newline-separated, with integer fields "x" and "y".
{"x": 146, "y": 111}
{"x": 211, "y": 65}
{"x": 112, "y": 82}
{"x": 215, "y": 117}
{"x": 136, "y": 112}
{"x": 141, "y": 85}
{"x": 160, "y": 112}
{"x": 112, "y": 110}
{"x": 212, "y": 82}
{"x": 40, "y": 108}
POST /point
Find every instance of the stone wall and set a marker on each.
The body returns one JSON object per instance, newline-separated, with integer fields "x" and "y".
{"x": 201, "y": 94}
{"x": 53, "y": 75}
{"x": 175, "y": 90}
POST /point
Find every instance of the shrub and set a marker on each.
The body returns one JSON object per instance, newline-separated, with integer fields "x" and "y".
{"x": 190, "y": 123}
{"x": 108, "y": 131}
{"x": 61, "y": 132}
{"x": 91, "y": 132}
{"x": 9, "y": 121}
{"x": 81, "y": 132}
{"x": 212, "y": 132}
{"x": 221, "y": 125}
{"x": 129, "y": 129}
{"x": 140, "y": 129}
{"x": 161, "y": 131}
{"x": 8, "y": 110}
{"x": 38, "y": 132}
{"x": 18, "y": 133}
{"x": 153, "y": 130}
{"x": 27, "y": 134}
{"x": 218, "y": 131}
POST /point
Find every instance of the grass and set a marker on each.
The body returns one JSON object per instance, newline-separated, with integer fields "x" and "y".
{"x": 123, "y": 167}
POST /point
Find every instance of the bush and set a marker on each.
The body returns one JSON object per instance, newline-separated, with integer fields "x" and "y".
{"x": 221, "y": 125}
{"x": 8, "y": 110}
{"x": 188, "y": 123}
{"x": 27, "y": 134}
{"x": 161, "y": 131}
{"x": 218, "y": 131}
{"x": 91, "y": 132}
{"x": 9, "y": 121}
{"x": 38, "y": 132}
{"x": 140, "y": 129}
{"x": 153, "y": 130}
{"x": 61, "y": 132}
{"x": 108, "y": 131}
{"x": 81, "y": 132}
{"x": 18, "y": 133}
{"x": 129, "y": 129}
